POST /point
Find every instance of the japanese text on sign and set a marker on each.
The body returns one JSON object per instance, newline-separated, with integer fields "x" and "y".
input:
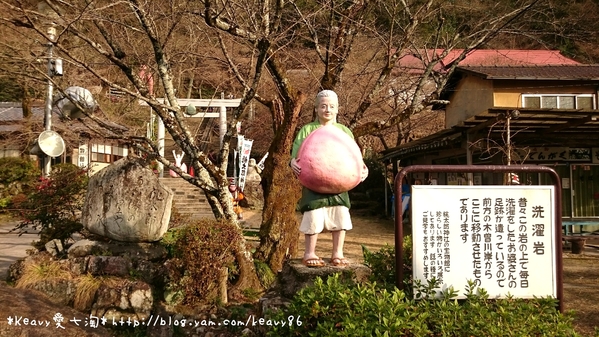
{"x": 499, "y": 237}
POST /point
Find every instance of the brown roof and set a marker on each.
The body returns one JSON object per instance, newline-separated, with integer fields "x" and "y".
{"x": 582, "y": 72}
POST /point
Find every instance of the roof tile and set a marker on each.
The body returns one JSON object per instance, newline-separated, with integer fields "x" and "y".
{"x": 550, "y": 72}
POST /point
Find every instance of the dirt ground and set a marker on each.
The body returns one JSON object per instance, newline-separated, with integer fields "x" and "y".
{"x": 371, "y": 231}
{"x": 581, "y": 288}
{"x": 580, "y": 271}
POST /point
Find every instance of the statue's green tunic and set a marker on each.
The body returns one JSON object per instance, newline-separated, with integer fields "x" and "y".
{"x": 313, "y": 200}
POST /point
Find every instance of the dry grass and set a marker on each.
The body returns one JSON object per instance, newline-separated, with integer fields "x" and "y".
{"x": 581, "y": 287}
{"x": 87, "y": 286}
{"x": 53, "y": 271}
{"x": 46, "y": 270}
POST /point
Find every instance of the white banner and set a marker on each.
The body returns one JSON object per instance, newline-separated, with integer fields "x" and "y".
{"x": 244, "y": 160}
{"x": 499, "y": 237}
{"x": 260, "y": 165}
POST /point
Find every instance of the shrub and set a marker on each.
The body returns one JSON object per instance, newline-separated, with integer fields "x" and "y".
{"x": 199, "y": 252}
{"x": 18, "y": 169}
{"x": 17, "y": 176}
{"x": 335, "y": 308}
{"x": 377, "y": 308}
{"x": 382, "y": 264}
{"x": 376, "y": 175}
{"x": 55, "y": 205}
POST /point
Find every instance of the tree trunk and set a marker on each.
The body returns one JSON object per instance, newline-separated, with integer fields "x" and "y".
{"x": 26, "y": 103}
{"x": 248, "y": 277}
{"x": 279, "y": 230}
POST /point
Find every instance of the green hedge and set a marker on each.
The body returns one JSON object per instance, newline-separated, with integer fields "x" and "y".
{"x": 333, "y": 307}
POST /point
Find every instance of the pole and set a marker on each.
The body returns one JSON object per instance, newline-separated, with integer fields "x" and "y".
{"x": 509, "y": 144}
{"x": 222, "y": 124}
{"x": 48, "y": 108}
{"x": 508, "y": 176}
{"x": 160, "y": 135}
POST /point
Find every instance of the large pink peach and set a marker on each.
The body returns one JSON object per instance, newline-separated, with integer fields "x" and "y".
{"x": 330, "y": 161}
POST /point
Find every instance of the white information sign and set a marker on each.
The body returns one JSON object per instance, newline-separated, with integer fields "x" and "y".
{"x": 499, "y": 237}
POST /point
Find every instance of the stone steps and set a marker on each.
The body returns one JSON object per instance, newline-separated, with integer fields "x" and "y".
{"x": 188, "y": 199}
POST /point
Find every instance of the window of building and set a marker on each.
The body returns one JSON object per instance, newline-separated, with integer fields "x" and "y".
{"x": 563, "y": 170}
{"x": 579, "y": 196}
{"x": 104, "y": 153}
{"x": 585, "y": 199}
{"x": 586, "y": 101}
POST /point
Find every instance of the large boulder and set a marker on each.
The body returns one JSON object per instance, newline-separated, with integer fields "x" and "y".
{"x": 127, "y": 202}
{"x": 331, "y": 161}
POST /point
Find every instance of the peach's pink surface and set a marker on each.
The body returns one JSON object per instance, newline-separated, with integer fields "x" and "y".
{"x": 330, "y": 161}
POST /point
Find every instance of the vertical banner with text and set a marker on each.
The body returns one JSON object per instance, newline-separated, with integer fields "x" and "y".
{"x": 244, "y": 160}
{"x": 83, "y": 160}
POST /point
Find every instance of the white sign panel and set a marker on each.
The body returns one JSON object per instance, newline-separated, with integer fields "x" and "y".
{"x": 499, "y": 237}
{"x": 83, "y": 158}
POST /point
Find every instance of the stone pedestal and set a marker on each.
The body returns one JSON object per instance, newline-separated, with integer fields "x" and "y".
{"x": 295, "y": 276}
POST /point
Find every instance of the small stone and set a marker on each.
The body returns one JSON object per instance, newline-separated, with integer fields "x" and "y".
{"x": 54, "y": 247}
{"x": 108, "y": 265}
{"x": 141, "y": 300}
{"x": 86, "y": 247}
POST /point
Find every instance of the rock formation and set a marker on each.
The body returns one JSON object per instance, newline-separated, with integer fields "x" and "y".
{"x": 127, "y": 202}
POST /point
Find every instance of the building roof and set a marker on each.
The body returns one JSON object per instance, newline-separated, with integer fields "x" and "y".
{"x": 532, "y": 127}
{"x": 12, "y": 122}
{"x": 413, "y": 60}
{"x": 441, "y": 139}
{"x": 580, "y": 72}
{"x": 509, "y": 57}
{"x": 13, "y": 112}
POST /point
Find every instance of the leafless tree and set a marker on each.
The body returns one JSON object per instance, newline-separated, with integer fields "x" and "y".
{"x": 277, "y": 53}
{"x": 354, "y": 48}
{"x": 111, "y": 41}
